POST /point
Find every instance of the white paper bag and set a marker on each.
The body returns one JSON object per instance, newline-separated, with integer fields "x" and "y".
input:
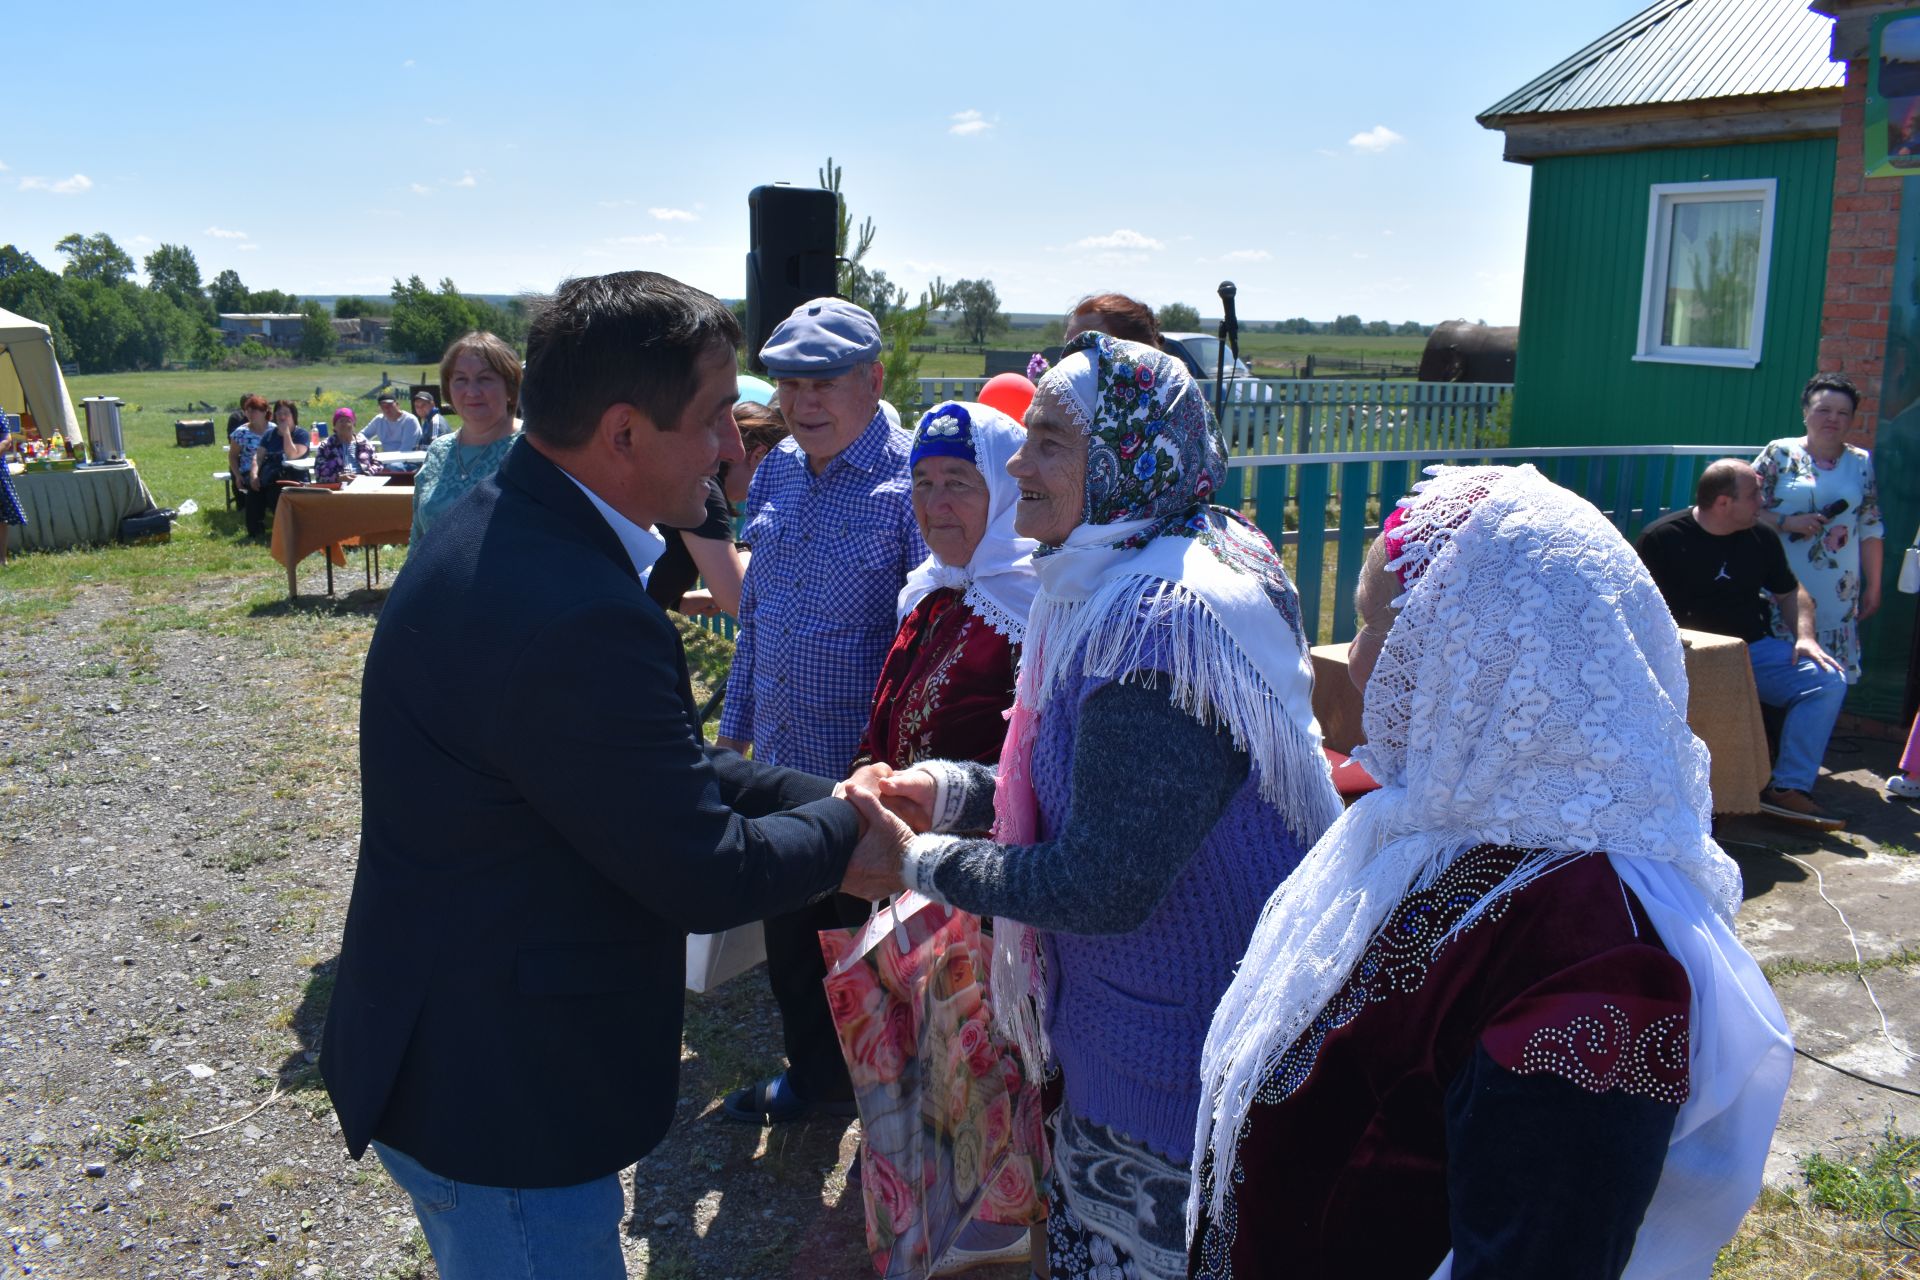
{"x": 713, "y": 958}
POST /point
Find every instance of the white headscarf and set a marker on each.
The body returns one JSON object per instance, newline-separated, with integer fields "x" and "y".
{"x": 998, "y": 583}
{"x": 1531, "y": 693}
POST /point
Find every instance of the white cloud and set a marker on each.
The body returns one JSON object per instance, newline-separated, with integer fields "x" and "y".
{"x": 652, "y": 237}
{"x": 1246, "y": 255}
{"x": 435, "y": 120}
{"x": 967, "y": 123}
{"x": 1360, "y": 255}
{"x": 467, "y": 180}
{"x": 407, "y": 63}
{"x": 221, "y": 233}
{"x": 1121, "y": 239}
{"x": 3, "y": 166}
{"x": 248, "y": 248}
{"x": 78, "y": 184}
{"x": 615, "y": 204}
{"x": 673, "y": 215}
{"x": 141, "y": 240}
{"x": 1375, "y": 140}
{"x": 420, "y": 188}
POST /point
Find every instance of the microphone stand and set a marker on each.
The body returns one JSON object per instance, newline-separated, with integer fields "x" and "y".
{"x": 1229, "y": 332}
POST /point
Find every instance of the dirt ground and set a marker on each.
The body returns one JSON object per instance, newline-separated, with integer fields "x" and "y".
{"x": 178, "y": 823}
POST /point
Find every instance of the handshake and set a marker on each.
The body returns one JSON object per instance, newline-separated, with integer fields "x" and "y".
{"x": 892, "y": 808}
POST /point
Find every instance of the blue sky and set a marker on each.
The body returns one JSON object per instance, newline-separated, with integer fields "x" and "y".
{"x": 1324, "y": 157}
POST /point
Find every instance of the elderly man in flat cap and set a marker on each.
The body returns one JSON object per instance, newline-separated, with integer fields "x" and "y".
{"x": 830, "y": 521}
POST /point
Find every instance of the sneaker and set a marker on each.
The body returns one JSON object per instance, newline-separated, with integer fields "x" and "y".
{"x": 1798, "y": 807}
{"x": 776, "y": 1101}
{"x": 1904, "y": 787}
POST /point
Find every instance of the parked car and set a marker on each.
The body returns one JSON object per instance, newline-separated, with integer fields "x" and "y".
{"x": 1200, "y": 352}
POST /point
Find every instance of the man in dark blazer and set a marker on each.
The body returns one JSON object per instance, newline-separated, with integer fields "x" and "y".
{"x": 505, "y": 1026}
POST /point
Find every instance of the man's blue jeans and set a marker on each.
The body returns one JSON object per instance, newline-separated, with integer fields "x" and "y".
{"x": 1811, "y": 695}
{"x": 511, "y": 1233}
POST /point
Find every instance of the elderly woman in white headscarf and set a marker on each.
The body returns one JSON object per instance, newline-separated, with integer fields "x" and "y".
{"x": 945, "y": 687}
{"x": 1162, "y": 773}
{"x": 1500, "y": 1006}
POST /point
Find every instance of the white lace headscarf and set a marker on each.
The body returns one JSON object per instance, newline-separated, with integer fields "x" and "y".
{"x": 1532, "y": 693}
{"x": 998, "y": 582}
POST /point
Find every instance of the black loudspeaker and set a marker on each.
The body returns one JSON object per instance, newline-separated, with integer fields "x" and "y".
{"x": 790, "y": 259}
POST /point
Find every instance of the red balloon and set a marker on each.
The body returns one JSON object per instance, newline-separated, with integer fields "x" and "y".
{"x": 1009, "y": 393}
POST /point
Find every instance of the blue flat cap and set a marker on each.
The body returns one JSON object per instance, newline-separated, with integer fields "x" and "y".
{"x": 822, "y": 339}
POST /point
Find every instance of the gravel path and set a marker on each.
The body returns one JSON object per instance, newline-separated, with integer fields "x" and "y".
{"x": 178, "y": 824}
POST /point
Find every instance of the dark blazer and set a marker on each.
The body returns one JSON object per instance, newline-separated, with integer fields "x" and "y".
{"x": 541, "y": 828}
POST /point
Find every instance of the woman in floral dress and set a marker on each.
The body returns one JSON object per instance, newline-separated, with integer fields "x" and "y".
{"x": 1837, "y": 557}
{"x": 11, "y": 511}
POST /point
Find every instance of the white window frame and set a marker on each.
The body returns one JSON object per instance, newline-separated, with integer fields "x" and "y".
{"x": 1662, "y": 198}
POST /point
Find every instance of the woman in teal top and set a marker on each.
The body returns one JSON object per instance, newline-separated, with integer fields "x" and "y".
{"x": 480, "y": 378}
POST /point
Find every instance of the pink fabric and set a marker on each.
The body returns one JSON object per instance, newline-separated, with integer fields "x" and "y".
{"x": 1909, "y": 761}
{"x": 1016, "y": 810}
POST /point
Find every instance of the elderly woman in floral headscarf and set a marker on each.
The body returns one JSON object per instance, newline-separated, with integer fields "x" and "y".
{"x": 1501, "y": 1002}
{"x": 1162, "y": 773}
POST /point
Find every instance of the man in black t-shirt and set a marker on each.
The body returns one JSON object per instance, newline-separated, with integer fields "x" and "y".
{"x": 1717, "y": 567}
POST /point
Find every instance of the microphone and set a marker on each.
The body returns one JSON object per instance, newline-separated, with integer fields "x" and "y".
{"x": 1827, "y": 512}
{"x": 1227, "y": 291}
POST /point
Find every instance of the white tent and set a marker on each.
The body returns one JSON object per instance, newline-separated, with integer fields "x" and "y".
{"x": 30, "y": 377}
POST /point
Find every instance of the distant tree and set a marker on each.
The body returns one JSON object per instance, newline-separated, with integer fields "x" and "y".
{"x": 355, "y": 307}
{"x": 1298, "y": 324}
{"x": 1347, "y": 326}
{"x": 1378, "y": 329}
{"x": 29, "y": 289}
{"x": 872, "y": 290}
{"x": 14, "y": 260}
{"x": 94, "y": 257}
{"x": 1051, "y": 334}
{"x": 979, "y": 307}
{"x": 228, "y": 294}
{"x": 739, "y": 308}
{"x": 273, "y": 301}
{"x": 317, "y": 338}
{"x": 1410, "y": 329}
{"x": 902, "y": 325}
{"x": 173, "y": 271}
{"x": 1177, "y": 317}
{"x": 425, "y": 321}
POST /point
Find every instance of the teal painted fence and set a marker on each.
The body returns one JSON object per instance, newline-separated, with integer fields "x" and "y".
{"x": 1323, "y": 509}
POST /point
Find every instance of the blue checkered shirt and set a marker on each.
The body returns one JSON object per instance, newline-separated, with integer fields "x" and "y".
{"x": 830, "y": 554}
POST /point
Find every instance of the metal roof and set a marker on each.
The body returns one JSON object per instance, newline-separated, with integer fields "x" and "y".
{"x": 1685, "y": 51}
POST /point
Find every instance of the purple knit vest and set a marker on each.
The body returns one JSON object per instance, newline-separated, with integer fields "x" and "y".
{"x": 1127, "y": 1014}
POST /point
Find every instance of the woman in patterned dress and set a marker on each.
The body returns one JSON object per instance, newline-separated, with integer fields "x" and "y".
{"x": 11, "y": 512}
{"x": 480, "y": 377}
{"x": 1498, "y": 1023}
{"x": 1837, "y": 557}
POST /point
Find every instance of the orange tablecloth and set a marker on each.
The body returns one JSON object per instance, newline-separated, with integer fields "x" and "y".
{"x": 309, "y": 520}
{"x": 1723, "y": 708}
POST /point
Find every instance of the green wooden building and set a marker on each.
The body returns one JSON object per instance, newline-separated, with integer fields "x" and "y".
{"x": 1683, "y": 169}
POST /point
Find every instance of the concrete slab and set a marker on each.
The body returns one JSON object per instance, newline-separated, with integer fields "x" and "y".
{"x": 1871, "y": 877}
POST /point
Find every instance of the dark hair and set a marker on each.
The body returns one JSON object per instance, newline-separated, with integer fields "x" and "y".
{"x": 497, "y": 355}
{"x": 632, "y": 337}
{"x": 252, "y": 401}
{"x": 1829, "y": 382}
{"x": 1120, "y": 316}
{"x": 1720, "y": 480}
{"x": 289, "y": 406}
{"x": 761, "y": 426}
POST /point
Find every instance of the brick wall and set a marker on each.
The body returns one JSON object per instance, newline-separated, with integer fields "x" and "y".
{"x": 1860, "y": 254}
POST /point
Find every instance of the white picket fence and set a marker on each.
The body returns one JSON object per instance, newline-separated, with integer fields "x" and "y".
{"x": 1326, "y": 415}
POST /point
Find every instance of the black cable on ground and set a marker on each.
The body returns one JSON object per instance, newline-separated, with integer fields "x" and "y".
{"x": 1902, "y": 1226}
{"x": 1878, "y": 1084}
